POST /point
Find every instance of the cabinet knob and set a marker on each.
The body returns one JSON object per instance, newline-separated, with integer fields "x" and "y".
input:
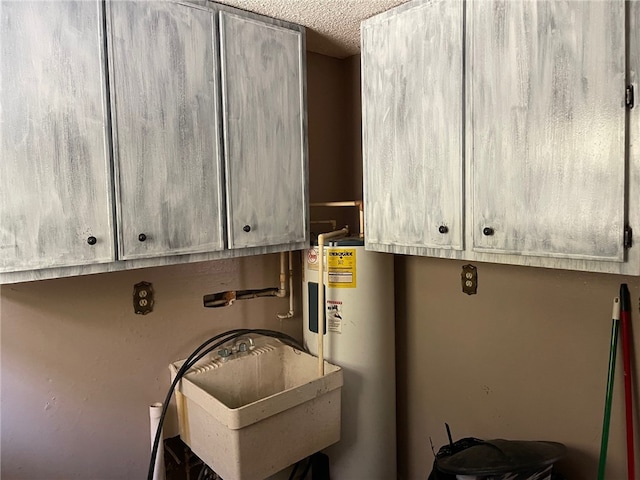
{"x": 247, "y": 228}
{"x": 142, "y": 237}
{"x": 92, "y": 240}
{"x": 443, "y": 229}
{"x": 488, "y": 231}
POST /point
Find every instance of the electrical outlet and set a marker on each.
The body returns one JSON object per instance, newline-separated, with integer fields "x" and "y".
{"x": 143, "y": 298}
{"x": 469, "y": 279}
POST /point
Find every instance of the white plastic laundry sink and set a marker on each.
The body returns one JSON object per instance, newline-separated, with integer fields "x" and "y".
{"x": 255, "y": 414}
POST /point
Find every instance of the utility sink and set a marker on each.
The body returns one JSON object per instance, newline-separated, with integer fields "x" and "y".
{"x": 257, "y": 413}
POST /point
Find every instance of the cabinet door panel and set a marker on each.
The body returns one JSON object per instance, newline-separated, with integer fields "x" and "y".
{"x": 412, "y": 126}
{"x": 547, "y": 83}
{"x": 54, "y": 166}
{"x": 166, "y": 115}
{"x": 264, "y": 130}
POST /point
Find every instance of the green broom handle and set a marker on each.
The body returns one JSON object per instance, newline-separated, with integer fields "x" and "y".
{"x": 609, "y": 396}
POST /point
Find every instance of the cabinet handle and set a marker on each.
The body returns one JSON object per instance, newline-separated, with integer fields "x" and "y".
{"x": 92, "y": 240}
{"x": 247, "y": 228}
{"x": 142, "y": 237}
{"x": 488, "y": 231}
{"x": 443, "y": 229}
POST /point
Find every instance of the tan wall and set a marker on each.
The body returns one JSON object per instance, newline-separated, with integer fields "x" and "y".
{"x": 354, "y": 114}
{"x": 79, "y": 368}
{"x": 526, "y": 358}
{"x": 333, "y": 164}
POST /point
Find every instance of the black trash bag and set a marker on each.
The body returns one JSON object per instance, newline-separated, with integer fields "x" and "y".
{"x": 447, "y": 451}
{"x": 471, "y": 456}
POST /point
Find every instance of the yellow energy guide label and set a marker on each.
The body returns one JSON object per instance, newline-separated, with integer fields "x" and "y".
{"x": 340, "y": 264}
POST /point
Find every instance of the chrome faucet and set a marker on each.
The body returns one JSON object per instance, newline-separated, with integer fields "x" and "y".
{"x": 244, "y": 344}
{"x": 241, "y": 346}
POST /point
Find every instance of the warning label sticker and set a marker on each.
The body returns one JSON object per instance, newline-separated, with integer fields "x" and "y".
{"x": 334, "y": 316}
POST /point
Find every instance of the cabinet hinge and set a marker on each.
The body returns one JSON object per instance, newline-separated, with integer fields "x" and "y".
{"x": 628, "y": 237}
{"x": 628, "y": 98}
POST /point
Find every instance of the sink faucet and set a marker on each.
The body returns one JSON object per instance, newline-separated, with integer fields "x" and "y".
{"x": 241, "y": 345}
{"x": 225, "y": 353}
{"x": 244, "y": 344}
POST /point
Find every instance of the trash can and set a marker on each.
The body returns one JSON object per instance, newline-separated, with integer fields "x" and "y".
{"x": 474, "y": 459}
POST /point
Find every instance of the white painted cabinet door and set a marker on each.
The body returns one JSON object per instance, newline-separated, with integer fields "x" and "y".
{"x": 547, "y": 116}
{"x": 412, "y": 95}
{"x": 55, "y": 201}
{"x": 165, "y": 109}
{"x": 263, "y": 89}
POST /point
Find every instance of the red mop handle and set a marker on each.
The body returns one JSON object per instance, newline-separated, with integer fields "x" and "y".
{"x": 626, "y": 356}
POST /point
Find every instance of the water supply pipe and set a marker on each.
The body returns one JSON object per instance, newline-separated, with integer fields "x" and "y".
{"x": 289, "y": 314}
{"x": 282, "y": 291}
{"x": 224, "y": 299}
{"x": 333, "y": 223}
{"x": 155, "y": 412}
{"x": 321, "y": 307}
{"x": 350, "y": 203}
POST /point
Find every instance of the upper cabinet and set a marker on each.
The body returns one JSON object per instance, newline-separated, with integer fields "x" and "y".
{"x": 55, "y": 177}
{"x": 137, "y": 133}
{"x": 543, "y": 150}
{"x": 413, "y": 118}
{"x": 165, "y": 116}
{"x": 263, "y": 91}
{"x": 546, "y": 97}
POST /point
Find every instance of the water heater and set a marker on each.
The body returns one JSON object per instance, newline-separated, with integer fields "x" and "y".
{"x": 359, "y": 337}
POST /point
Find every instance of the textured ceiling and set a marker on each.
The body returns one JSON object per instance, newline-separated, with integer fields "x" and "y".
{"x": 333, "y": 26}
